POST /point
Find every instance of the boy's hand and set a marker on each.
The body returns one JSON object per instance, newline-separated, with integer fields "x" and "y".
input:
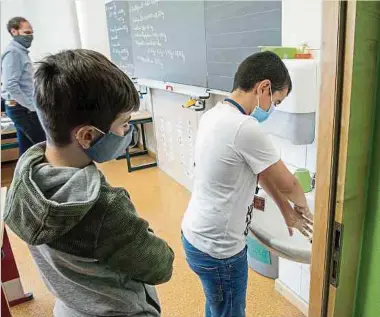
{"x": 296, "y": 220}
{"x": 304, "y": 211}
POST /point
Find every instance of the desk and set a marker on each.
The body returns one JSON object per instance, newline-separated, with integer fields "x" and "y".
{"x": 140, "y": 118}
{"x": 8, "y": 133}
{"x": 9, "y": 146}
{"x": 5, "y": 310}
{"x": 11, "y": 287}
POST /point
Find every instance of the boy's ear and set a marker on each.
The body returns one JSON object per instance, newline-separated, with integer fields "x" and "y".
{"x": 262, "y": 86}
{"x": 86, "y": 136}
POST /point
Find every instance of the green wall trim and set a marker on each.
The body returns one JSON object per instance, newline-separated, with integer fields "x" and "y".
{"x": 367, "y": 303}
{"x": 359, "y": 172}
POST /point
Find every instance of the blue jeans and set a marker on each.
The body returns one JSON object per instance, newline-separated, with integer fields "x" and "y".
{"x": 28, "y": 127}
{"x": 224, "y": 281}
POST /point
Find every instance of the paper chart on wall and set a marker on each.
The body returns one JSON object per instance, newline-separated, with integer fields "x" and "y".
{"x": 176, "y": 147}
{"x": 169, "y": 137}
{"x": 181, "y": 146}
{"x": 190, "y": 145}
{"x": 162, "y": 138}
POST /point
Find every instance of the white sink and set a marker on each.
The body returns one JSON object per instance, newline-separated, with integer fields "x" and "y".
{"x": 270, "y": 229}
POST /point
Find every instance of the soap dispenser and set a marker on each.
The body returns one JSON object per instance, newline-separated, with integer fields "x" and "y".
{"x": 295, "y": 118}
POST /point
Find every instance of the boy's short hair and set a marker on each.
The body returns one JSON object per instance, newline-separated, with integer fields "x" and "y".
{"x": 80, "y": 87}
{"x": 261, "y": 66}
{"x": 15, "y": 23}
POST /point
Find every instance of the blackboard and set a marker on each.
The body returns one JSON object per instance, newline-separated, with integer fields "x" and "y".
{"x": 235, "y": 30}
{"x": 199, "y": 43}
{"x": 169, "y": 41}
{"x": 119, "y": 35}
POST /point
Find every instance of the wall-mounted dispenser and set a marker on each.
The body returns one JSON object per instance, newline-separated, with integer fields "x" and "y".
{"x": 295, "y": 117}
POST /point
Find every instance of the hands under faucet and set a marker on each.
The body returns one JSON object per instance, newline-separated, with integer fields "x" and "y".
{"x": 299, "y": 218}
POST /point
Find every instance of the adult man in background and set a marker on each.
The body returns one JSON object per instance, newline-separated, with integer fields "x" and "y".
{"x": 17, "y": 84}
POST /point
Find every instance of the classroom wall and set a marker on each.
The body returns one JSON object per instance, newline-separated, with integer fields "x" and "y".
{"x": 9, "y": 8}
{"x": 301, "y": 22}
{"x": 55, "y": 24}
{"x": 92, "y": 24}
{"x": 59, "y": 24}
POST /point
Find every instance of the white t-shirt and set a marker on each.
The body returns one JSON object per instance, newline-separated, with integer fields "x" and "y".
{"x": 231, "y": 150}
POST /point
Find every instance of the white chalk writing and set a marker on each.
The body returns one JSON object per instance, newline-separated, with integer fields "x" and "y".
{"x": 150, "y": 16}
{"x": 154, "y": 35}
{"x": 148, "y": 43}
{"x": 151, "y": 40}
{"x": 172, "y": 54}
{"x": 147, "y": 27}
{"x": 149, "y": 60}
{"x": 117, "y": 29}
{"x": 144, "y": 4}
{"x": 119, "y": 34}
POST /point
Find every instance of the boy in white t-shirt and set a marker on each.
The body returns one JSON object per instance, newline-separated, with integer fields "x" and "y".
{"x": 232, "y": 153}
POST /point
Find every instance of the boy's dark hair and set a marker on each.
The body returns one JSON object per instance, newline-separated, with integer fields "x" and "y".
{"x": 80, "y": 87}
{"x": 15, "y": 23}
{"x": 261, "y": 66}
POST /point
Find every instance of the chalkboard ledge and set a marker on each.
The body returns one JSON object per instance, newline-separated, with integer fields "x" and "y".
{"x": 188, "y": 90}
{"x": 192, "y": 91}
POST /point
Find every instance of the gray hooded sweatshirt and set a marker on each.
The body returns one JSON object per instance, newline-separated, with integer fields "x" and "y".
{"x": 95, "y": 254}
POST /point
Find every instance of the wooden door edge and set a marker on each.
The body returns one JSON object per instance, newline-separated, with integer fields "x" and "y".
{"x": 327, "y": 157}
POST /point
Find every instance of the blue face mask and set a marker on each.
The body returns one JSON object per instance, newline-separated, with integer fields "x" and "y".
{"x": 261, "y": 115}
{"x": 109, "y": 147}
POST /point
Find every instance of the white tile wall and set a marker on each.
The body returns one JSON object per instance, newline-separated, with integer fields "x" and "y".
{"x": 296, "y": 276}
{"x": 305, "y": 282}
{"x": 297, "y": 156}
{"x": 290, "y": 274}
{"x": 311, "y": 157}
{"x": 293, "y": 154}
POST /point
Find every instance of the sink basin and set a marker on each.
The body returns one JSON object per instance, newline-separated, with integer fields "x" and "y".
{"x": 270, "y": 229}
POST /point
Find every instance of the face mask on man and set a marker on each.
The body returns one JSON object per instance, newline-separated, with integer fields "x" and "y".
{"x": 110, "y": 146}
{"x": 260, "y": 114}
{"x": 25, "y": 40}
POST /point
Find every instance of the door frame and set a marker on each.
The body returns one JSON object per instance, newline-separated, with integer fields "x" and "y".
{"x": 333, "y": 21}
{"x": 346, "y": 130}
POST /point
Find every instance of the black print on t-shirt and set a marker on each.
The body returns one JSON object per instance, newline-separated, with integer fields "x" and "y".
{"x": 248, "y": 219}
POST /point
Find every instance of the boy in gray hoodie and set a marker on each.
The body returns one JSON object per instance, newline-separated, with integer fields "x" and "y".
{"x": 94, "y": 252}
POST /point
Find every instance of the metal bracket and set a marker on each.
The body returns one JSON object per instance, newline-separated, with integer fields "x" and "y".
{"x": 336, "y": 254}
